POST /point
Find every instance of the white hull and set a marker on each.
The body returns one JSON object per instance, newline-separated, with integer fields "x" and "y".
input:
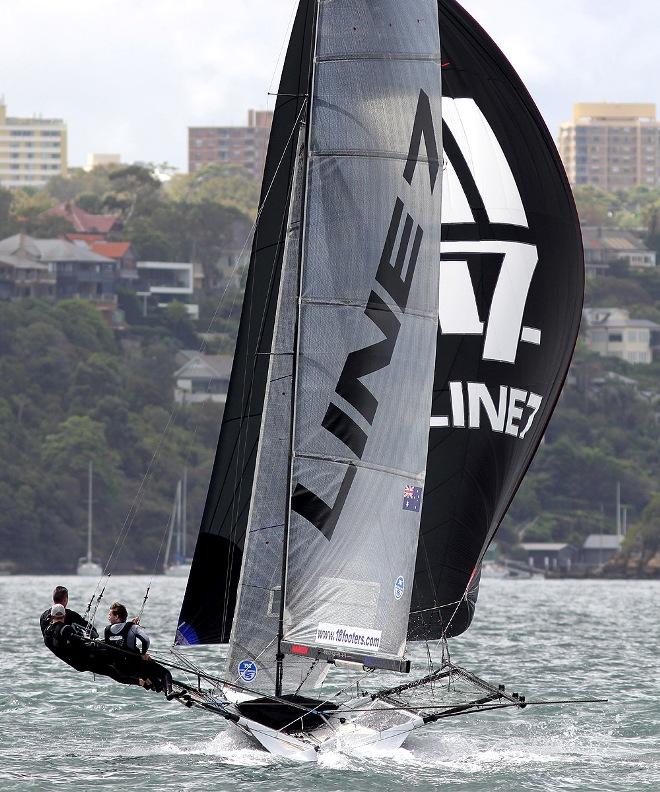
{"x": 89, "y": 569}
{"x": 178, "y": 570}
{"x": 351, "y": 736}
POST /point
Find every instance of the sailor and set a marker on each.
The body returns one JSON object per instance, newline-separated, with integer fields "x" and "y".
{"x": 61, "y": 597}
{"x": 63, "y": 640}
{"x": 124, "y": 635}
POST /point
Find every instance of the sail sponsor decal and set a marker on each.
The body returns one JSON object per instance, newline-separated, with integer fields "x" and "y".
{"x": 186, "y": 635}
{"x": 399, "y": 587}
{"x": 412, "y": 498}
{"x": 353, "y": 637}
{"x": 394, "y": 274}
{"x": 486, "y": 241}
{"x": 247, "y": 670}
{"x": 509, "y": 411}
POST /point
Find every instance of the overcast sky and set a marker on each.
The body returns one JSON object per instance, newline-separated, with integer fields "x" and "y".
{"x": 129, "y": 76}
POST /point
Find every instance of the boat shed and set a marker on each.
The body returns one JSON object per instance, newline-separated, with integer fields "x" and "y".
{"x": 599, "y": 548}
{"x": 550, "y": 555}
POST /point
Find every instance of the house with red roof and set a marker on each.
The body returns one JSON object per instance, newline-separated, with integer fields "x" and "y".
{"x": 85, "y": 223}
{"x": 122, "y": 253}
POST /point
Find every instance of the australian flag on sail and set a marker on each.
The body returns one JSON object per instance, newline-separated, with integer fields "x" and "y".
{"x": 412, "y": 498}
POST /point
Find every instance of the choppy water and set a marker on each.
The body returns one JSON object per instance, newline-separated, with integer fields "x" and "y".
{"x": 64, "y": 730}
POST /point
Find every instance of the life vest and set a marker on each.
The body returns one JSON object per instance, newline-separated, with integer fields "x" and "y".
{"x": 53, "y": 638}
{"x": 120, "y": 640}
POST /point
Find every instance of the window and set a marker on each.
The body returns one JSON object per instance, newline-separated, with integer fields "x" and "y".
{"x": 617, "y": 338}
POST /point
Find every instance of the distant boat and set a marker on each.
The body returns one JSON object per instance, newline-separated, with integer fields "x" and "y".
{"x": 180, "y": 567}
{"x": 87, "y": 567}
{"x": 494, "y": 569}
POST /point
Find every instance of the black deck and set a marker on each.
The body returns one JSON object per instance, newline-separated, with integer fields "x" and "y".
{"x": 289, "y": 713}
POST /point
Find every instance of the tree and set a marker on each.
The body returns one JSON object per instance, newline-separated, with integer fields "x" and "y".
{"x": 177, "y": 320}
{"x": 645, "y": 535}
{"x": 594, "y": 205}
{"x": 84, "y": 326}
{"x": 138, "y": 185}
{"x": 229, "y": 185}
{"x": 79, "y": 181}
{"x": 98, "y": 374}
{"x": 7, "y": 227}
{"x": 48, "y": 226}
{"x": 27, "y": 205}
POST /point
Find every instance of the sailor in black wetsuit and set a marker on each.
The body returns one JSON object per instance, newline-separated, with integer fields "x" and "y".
{"x": 61, "y": 597}
{"x": 65, "y": 641}
{"x": 134, "y": 663}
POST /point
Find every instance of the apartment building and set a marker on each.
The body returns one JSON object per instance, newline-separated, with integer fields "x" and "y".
{"x": 32, "y": 150}
{"x": 232, "y": 145}
{"x": 614, "y": 146}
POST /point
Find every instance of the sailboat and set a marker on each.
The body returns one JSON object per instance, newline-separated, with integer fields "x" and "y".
{"x": 177, "y": 532}
{"x": 87, "y": 567}
{"x": 397, "y": 362}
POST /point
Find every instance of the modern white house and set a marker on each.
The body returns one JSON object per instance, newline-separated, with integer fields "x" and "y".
{"x": 612, "y": 333}
{"x": 167, "y": 281}
{"x": 202, "y": 378}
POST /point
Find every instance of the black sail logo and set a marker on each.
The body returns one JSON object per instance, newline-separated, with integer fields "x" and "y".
{"x": 395, "y": 274}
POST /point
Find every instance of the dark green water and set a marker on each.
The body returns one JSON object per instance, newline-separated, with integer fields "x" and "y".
{"x": 64, "y": 730}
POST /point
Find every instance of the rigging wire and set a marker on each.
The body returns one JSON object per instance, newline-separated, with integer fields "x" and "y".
{"x": 241, "y": 454}
{"x": 134, "y": 508}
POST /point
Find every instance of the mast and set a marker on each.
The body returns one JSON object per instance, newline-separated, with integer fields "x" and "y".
{"x": 177, "y": 500}
{"x": 90, "y": 469}
{"x": 296, "y": 348}
{"x": 170, "y": 533}
{"x": 184, "y": 511}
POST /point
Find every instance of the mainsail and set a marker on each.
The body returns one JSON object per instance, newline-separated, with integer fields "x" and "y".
{"x": 347, "y": 349}
{"x": 367, "y": 328}
{"x": 511, "y": 289}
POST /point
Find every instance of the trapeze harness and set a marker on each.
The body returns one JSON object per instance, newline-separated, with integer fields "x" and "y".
{"x": 120, "y": 640}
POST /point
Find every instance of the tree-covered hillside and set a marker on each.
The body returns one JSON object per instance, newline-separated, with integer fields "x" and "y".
{"x": 70, "y": 392}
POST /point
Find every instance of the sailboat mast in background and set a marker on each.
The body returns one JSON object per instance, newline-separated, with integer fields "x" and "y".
{"x": 87, "y": 566}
